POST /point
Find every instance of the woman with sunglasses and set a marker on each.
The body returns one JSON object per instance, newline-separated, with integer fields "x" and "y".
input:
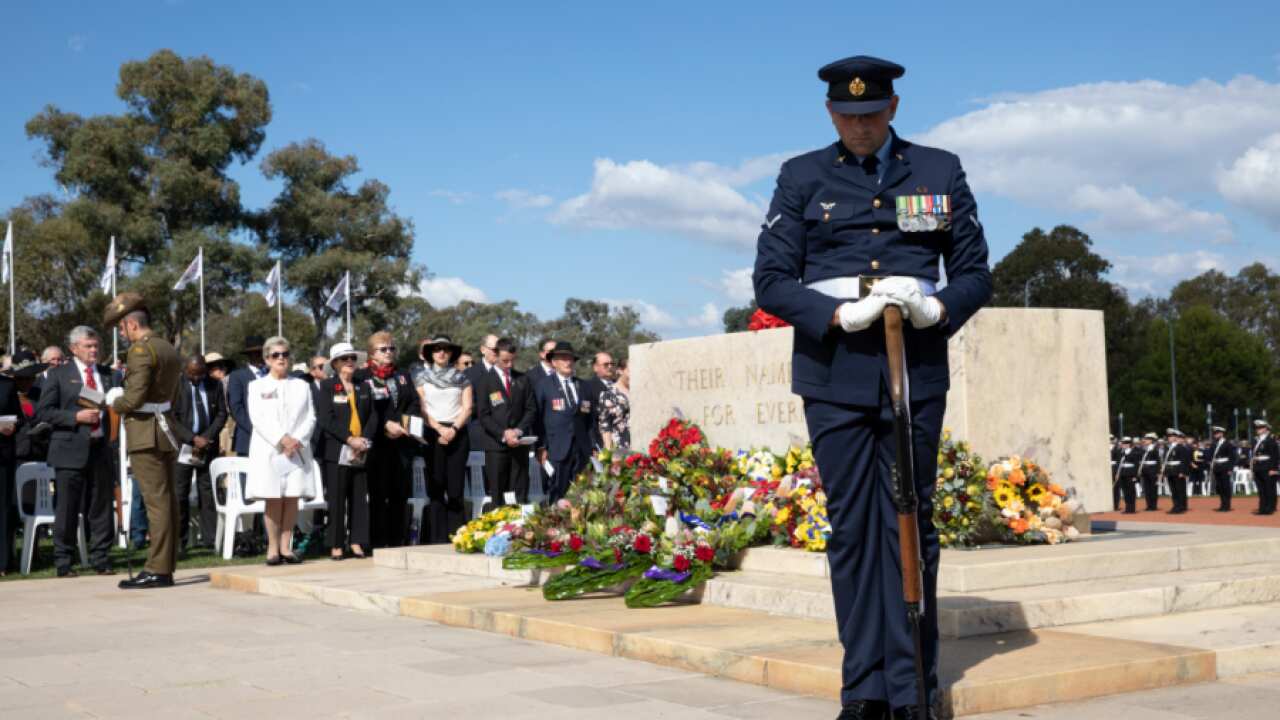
{"x": 445, "y": 395}
{"x": 345, "y": 411}
{"x": 280, "y": 463}
{"x": 390, "y": 460}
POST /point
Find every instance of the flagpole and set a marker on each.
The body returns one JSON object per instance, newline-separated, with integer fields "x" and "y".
{"x": 279, "y": 300}
{"x": 200, "y": 253}
{"x": 348, "y": 289}
{"x": 13, "y": 280}
{"x": 115, "y": 331}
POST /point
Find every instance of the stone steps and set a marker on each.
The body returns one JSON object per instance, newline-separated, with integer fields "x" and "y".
{"x": 1026, "y": 608}
{"x": 981, "y": 674}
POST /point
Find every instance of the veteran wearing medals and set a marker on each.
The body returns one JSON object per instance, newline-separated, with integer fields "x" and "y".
{"x": 852, "y": 228}
{"x": 150, "y": 387}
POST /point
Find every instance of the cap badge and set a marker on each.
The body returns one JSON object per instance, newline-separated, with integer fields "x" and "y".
{"x": 857, "y": 87}
{"x": 826, "y": 205}
{"x": 119, "y": 307}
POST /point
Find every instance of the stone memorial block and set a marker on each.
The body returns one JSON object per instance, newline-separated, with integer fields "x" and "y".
{"x": 1027, "y": 381}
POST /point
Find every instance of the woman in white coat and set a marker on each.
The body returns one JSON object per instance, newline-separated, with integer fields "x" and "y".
{"x": 280, "y": 466}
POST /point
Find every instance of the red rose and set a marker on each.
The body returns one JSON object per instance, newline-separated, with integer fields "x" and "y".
{"x": 617, "y": 555}
{"x": 704, "y": 553}
{"x": 681, "y": 563}
{"x": 643, "y": 544}
{"x": 575, "y": 543}
{"x": 555, "y": 546}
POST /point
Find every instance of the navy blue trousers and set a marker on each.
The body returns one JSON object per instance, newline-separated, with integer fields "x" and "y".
{"x": 854, "y": 449}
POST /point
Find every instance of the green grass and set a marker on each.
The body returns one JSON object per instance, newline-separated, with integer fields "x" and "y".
{"x": 196, "y": 558}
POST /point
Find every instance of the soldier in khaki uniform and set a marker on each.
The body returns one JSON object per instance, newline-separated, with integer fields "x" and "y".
{"x": 150, "y": 386}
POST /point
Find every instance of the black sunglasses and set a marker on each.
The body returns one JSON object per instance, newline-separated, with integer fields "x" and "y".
{"x": 386, "y": 348}
{"x": 278, "y": 355}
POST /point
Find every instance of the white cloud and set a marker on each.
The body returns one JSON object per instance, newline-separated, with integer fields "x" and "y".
{"x": 710, "y": 317}
{"x": 1150, "y": 143}
{"x": 1156, "y": 275}
{"x": 697, "y": 200}
{"x": 75, "y": 43}
{"x": 657, "y": 318}
{"x": 1124, "y": 209}
{"x": 523, "y": 199}
{"x": 737, "y": 286}
{"x": 651, "y": 316}
{"x": 454, "y": 197}
{"x": 1253, "y": 180}
{"x": 445, "y": 292}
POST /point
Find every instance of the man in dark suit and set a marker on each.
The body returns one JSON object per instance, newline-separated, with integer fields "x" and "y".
{"x": 864, "y": 223}
{"x": 542, "y": 368}
{"x": 504, "y": 413}
{"x": 476, "y": 373}
{"x": 200, "y": 412}
{"x": 237, "y": 388}
{"x": 79, "y": 451}
{"x": 603, "y": 367}
{"x": 561, "y": 422}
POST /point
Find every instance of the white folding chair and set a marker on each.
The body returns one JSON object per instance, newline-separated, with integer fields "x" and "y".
{"x": 233, "y": 507}
{"x": 42, "y": 512}
{"x": 537, "y": 484}
{"x": 308, "y": 508}
{"x": 418, "y": 500}
{"x": 1242, "y": 483}
{"x": 475, "y": 491}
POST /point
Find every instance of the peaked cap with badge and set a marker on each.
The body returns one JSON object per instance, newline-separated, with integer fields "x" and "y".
{"x": 839, "y": 226}
{"x": 860, "y": 84}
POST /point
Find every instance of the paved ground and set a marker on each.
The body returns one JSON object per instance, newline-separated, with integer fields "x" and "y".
{"x": 80, "y": 648}
{"x": 1200, "y": 511}
{"x": 1250, "y": 696}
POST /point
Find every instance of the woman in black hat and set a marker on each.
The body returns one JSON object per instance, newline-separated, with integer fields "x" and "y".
{"x": 445, "y": 394}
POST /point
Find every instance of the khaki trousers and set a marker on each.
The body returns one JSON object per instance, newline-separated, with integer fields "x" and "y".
{"x": 153, "y": 471}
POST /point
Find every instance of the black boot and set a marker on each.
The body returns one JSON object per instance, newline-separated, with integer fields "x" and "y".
{"x": 865, "y": 710}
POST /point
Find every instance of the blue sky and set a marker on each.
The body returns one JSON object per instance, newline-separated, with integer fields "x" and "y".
{"x": 626, "y": 152}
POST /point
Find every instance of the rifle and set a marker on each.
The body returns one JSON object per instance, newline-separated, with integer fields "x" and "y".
{"x": 904, "y": 495}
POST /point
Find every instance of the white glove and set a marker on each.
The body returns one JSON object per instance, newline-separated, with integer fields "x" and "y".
{"x": 114, "y": 393}
{"x": 922, "y": 310}
{"x": 855, "y": 316}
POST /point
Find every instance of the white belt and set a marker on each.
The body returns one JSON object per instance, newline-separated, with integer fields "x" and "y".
{"x": 1127, "y": 465}
{"x": 850, "y": 288}
{"x": 154, "y": 407}
{"x": 158, "y": 410}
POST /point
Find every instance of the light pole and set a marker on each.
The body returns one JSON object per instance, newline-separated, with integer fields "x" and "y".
{"x": 1208, "y": 419}
{"x": 1121, "y": 424}
{"x": 1026, "y": 292}
{"x": 1235, "y": 431}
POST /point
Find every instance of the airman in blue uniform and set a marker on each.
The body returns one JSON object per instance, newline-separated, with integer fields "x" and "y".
{"x": 853, "y": 227}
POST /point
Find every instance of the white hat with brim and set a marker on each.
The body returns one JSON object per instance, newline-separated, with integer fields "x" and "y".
{"x": 346, "y": 349}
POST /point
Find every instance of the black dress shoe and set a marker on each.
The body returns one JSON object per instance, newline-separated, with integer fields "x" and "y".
{"x": 912, "y": 712}
{"x": 864, "y": 710}
{"x": 292, "y": 559}
{"x": 1129, "y": 512}
{"x": 145, "y": 580}
{"x": 67, "y": 572}
{"x": 274, "y": 561}
{"x": 104, "y": 570}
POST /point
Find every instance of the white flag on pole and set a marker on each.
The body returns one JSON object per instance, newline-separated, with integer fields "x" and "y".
{"x": 109, "y": 273}
{"x": 339, "y": 295}
{"x": 193, "y": 272}
{"x": 8, "y": 254}
{"x": 273, "y": 285}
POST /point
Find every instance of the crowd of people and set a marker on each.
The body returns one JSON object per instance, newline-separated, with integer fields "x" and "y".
{"x": 352, "y": 420}
{"x": 1182, "y": 463}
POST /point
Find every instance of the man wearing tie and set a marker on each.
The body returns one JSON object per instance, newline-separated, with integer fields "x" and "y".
{"x": 237, "y": 393}
{"x": 79, "y": 452}
{"x": 199, "y": 413}
{"x": 561, "y": 422}
{"x": 504, "y": 413}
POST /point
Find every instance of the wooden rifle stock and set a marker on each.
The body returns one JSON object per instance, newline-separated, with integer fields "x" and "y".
{"x": 904, "y": 490}
{"x": 113, "y": 423}
{"x": 904, "y": 494}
